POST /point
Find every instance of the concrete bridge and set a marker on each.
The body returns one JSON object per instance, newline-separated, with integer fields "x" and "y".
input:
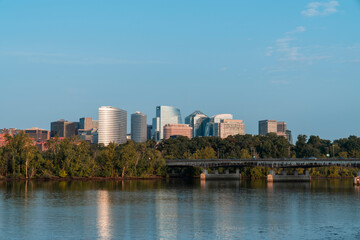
{"x": 267, "y": 162}
{"x": 270, "y": 163}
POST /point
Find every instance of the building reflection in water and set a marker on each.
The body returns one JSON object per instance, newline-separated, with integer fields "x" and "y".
{"x": 166, "y": 214}
{"x": 103, "y": 218}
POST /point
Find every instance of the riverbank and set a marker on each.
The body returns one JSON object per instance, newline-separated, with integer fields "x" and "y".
{"x": 80, "y": 178}
{"x": 58, "y": 179}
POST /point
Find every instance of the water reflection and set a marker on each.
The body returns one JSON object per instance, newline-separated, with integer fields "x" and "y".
{"x": 177, "y": 209}
{"x": 103, "y": 219}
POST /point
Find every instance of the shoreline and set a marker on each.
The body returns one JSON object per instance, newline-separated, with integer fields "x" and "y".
{"x": 58, "y": 179}
{"x": 69, "y": 179}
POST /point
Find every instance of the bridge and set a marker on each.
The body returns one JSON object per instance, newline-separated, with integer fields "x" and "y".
{"x": 269, "y": 162}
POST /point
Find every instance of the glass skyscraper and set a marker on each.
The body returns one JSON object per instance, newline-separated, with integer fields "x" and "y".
{"x": 197, "y": 120}
{"x": 211, "y": 127}
{"x": 164, "y": 115}
{"x": 112, "y": 125}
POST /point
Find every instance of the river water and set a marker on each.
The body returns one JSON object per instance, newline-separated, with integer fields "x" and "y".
{"x": 179, "y": 209}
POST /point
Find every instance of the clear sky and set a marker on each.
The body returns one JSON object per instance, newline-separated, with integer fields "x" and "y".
{"x": 296, "y": 61}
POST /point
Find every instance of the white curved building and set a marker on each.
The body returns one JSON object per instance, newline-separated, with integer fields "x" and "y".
{"x": 112, "y": 125}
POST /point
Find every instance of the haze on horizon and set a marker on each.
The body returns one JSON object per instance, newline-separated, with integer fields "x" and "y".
{"x": 293, "y": 61}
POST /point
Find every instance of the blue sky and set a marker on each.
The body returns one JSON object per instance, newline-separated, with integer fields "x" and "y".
{"x": 297, "y": 61}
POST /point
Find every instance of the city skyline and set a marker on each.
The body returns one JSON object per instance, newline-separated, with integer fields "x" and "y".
{"x": 179, "y": 119}
{"x": 235, "y": 57}
{"x": 150, "y": 122}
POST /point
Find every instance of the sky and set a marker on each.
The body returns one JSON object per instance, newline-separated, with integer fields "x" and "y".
{"x": 294, "y": 61}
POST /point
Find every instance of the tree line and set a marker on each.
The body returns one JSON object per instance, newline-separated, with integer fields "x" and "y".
{"x": 70, "y": 157}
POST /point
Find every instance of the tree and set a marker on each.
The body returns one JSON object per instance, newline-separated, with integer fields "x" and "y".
{"x": 107, "y": 160}
{"x": 244, "y": 154}
{"x": 20, "y": 151}
{"x": 129, "y": 159}
{"x": 205, "y": 153}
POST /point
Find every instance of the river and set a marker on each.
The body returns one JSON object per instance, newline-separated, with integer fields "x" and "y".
{"x": 179, "y": 209}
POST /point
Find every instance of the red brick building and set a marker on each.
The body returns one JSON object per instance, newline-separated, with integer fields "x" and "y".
{"x": 177, "y": 130}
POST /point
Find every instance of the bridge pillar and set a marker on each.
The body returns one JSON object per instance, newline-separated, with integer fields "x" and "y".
{"x": 307, "y": 172}
{"x": 203, "y": 174}
{"x": 227, "y": 175}
{"x": 357, "y": 179}
{"x": 284, "y": 177}
{"x": 270, "y": 176}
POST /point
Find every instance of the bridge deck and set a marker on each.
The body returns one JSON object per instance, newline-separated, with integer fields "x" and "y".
{"x": 272, "y": 163}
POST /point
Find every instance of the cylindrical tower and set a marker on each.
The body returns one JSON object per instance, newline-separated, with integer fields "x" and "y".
{"x": 112, "y": 125}
{"x": 138, "y": 127}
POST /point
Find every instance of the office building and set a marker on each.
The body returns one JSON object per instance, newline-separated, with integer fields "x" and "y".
{"x": 172, "y": 130}
{"x": 164, "y": 115}
{"x": 138, "y": 127}
{"x": 63, "y": 128}
{"x": 86, "y": 123}
{"x": 112, "y": 125}
{"x": 155, "y": 129}
{"x": 211, "y": 125}
{"x": 149, "y": 131}
{"x": 95, "y": 124}
{"x": 39, "y": 135}
{"x": 197, "y": 120}
{"x": 88, "y": 129}
{"x": 229, "y": 127}
{"x": 281, "y": 127}
{"x": 273, "y": 126}
{"x": 267, "y": 126}
{"x": 289, "y": 136}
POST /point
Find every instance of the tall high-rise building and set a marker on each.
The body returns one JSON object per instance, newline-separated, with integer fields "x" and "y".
{"x": 165, "y": 115}
{"x": 229, "y": 127}
{"x": 112, "y": 125}
{"x": 138, "y": 127}
{"x": 63, "y": 128}
{"x": 197, "y": 120}
{"x": 171, "y": 130}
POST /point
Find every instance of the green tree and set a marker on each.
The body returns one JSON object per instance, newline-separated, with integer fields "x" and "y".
{"x": 107, "y": 160}
{"x": 244, "y": 154}
{"x": 205, "y": 153}
{"x": 20, "y": 153}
